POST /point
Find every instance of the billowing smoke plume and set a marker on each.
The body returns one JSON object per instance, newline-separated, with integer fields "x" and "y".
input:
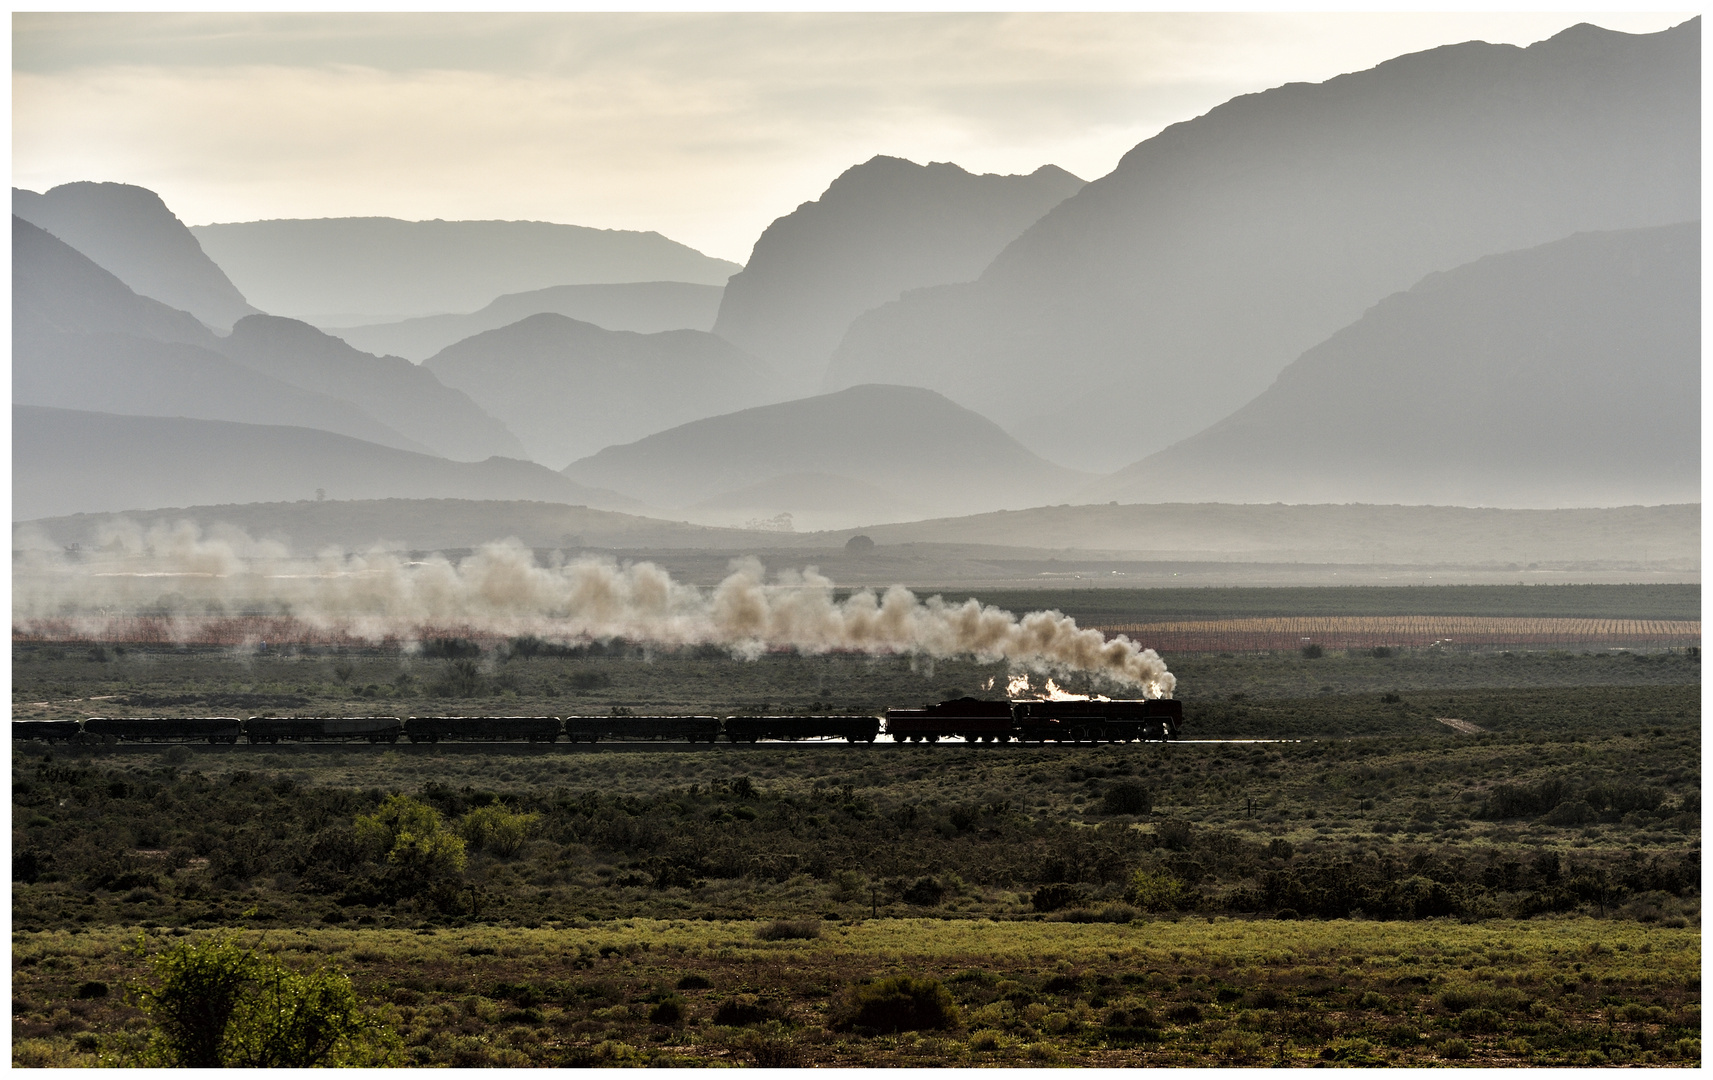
{"x": 186, "y": 579}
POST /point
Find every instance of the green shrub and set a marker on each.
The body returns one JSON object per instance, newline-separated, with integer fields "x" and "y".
{"x": 216, "y": 1004}
{"x": 1455, "y": 1049}
{"x": 925, "y": 892}
{"x": 902, "y": 1003}
{"x": 742, "y": 1010}
{"x": 694, "y": 981}
{"x": 1155, "y": 890}
{"x": 669, "y": 1011}
{"x": 790, "y": 930}
{"x": 422, "y": 856}
{"x": 496, "y": 830}
{"x": 1054, "y": 897}
{"x": 1127, "y": 797}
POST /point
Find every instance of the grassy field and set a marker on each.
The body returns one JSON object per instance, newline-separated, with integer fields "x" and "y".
{"x": 1468, "y": 858}
{"x": 1178, "y": 991}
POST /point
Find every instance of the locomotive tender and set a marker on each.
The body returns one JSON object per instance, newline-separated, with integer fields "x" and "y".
{"x": 969, "y": 719}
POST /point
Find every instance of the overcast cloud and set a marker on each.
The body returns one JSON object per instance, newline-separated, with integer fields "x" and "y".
{"x": 704, "y": 127}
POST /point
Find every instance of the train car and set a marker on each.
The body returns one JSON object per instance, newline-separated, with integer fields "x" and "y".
{"x": 1149, "y": 720}
{"x": 433, "y": 729}
{"x": 852, "y": 729}
{"x": 210, "y": 729}
{"x": 965, "y": 718}
{"x": 49, "y": 731}
{"x": 689, "y": 728}
{"x": 273, "y": 729}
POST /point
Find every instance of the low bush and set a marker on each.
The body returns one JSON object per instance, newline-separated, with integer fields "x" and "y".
{"x": 743, "y": 1010}
{"x": 790, "y": 930}
{"x": 496, "y": 830}
{"x": 1155, "y": 890}
{"x": 1127, "y": 797}
{"x": 901, "y": 1003}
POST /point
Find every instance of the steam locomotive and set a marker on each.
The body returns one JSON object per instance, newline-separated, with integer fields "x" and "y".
{"x": 969, "y": 719}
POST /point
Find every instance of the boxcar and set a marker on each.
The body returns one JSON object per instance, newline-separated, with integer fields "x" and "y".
{"x": 47, "y": 730}
{"x": 432, "y": 729}
{"x": 853, "y": 729}
{"x": 1152, "y": 720}
{"x": 211, "y": 729}
{"x": 272, "y": 729}
{"x": 966, "y": 718}
{"x": 689, "y": 728}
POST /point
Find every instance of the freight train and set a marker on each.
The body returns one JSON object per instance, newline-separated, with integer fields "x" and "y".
{"x": 969, "y": 719}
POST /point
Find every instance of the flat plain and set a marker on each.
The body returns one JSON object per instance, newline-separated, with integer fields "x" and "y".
{"x": 1437, "y": 856}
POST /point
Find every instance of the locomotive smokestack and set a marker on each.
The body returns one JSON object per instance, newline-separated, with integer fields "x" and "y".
{"x": 501, "y": 590}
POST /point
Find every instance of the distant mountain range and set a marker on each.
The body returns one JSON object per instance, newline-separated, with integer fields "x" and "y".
{"x": 58, "y": 290}
{"x": 359, "y": 271}
{"x": 644, "y": 307}
{"x": 67, "y": 462}
{"x": 1564, "y": 375}
{"x": 129, "y": 232}
{"x": 911, "y": 444}
{"x": 82, "y": 340}
{"x": 568, "y": 388}
{"x": 1466, "y": 275}
{"x": 400, "y": 394}
{"x": 881, "y": 228}
{"x": 1164, "y": 295}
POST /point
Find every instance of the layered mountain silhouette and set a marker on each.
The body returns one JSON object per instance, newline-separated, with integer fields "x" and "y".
{"x": 1173, "y": 290}
{"x": 129, "y": 232}
{"x": 117, "y": 373}
{"x": 645, "y": 307}
{"x": 81, "y": 339}
{"x": 56, "y": 289}
{"x": 1564, "y": 375}
{"x": 568, "y": 388}
{"x": 910, "y": 443}
{"x": 881, "y": 228}
{"x": 357, "y": 271}
{"x": 400, "y": 394}
{"x": 68, "y": 462}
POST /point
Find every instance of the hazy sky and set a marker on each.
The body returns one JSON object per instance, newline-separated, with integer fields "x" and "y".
{"x": 704, "y": 127}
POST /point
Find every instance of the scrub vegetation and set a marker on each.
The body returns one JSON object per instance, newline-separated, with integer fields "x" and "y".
{"x": 1381, "y": 886}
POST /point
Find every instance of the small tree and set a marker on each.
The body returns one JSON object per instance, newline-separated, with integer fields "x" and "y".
{"x": 422, "y": 856}
{"x": 217, "y": 1004}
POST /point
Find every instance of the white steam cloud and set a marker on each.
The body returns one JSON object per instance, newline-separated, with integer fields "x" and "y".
{"x": 225, "y": 581}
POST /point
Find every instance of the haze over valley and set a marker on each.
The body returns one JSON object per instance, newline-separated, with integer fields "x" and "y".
{"x": 1465, "y": 277}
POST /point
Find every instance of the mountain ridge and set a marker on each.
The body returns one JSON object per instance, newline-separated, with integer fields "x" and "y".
{"x": 1170, "y": 291}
